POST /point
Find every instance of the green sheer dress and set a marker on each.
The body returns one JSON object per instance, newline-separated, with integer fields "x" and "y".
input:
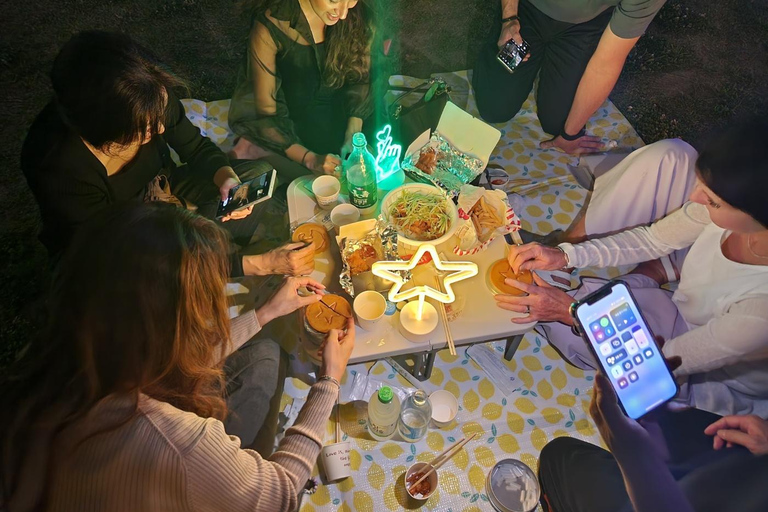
{"x": 308, "y": 112}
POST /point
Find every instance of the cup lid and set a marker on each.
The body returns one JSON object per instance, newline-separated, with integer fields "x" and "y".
{"x": 513, "y": 487}
{"x": 385, "y": 394}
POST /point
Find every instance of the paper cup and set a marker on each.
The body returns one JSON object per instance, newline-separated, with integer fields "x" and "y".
{"x": 336, "y": 461}
{"x": 421, "y": 467}
{"x": 344, "y": 214}
{"x": 444, "y": 407}
{"x": 369, "y": 308}
{"x": 326, "y": 190}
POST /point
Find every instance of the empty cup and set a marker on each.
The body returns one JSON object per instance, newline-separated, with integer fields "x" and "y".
{"x": 444, "y": 407}
{"x": 344, "y": 214}
{"x": 369, "y": 308}
{"x": 336, "y": 461}
{"x": 326, "y": 190}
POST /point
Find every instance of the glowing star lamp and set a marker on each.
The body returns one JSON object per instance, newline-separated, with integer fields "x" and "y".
{"x": 418, "y": 319}
{"x": 389, "y": 175}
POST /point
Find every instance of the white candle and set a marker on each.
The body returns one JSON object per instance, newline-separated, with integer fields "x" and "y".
{"x": 415, "y": 329}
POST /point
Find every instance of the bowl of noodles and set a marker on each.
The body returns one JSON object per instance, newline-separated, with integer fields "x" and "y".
{"x": 421, "y": 214}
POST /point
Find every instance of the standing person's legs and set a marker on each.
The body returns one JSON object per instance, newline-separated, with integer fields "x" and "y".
{"x": 499, "y": 94}
{"x": 253, "y": 382}
{"x": 565, "y": 59}
{"x": 580, "y": 477}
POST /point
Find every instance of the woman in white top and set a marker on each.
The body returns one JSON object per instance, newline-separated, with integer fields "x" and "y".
{"x": 717, "y": 319}
{"x": 119, "y": 406}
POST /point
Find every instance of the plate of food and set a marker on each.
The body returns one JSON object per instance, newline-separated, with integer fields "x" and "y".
{"x": 421, "y": 214}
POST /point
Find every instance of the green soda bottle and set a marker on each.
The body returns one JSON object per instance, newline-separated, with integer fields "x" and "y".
{"x": 361, "y": 176}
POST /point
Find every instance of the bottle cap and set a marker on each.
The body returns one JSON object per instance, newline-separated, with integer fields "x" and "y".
{"x": 358, "y": 139}
{"x": 385, "y": 395}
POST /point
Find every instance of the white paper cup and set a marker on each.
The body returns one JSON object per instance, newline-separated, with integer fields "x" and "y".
{"x": 336, "y": 461}
{"x": 369, "y": 308}
{"x": 326, "y": 189}
{"x": 421, "y": 467}
{"x": 444, "y": 407}
{"x": 344, "y": 214}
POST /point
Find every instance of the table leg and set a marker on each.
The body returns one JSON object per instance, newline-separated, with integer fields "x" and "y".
{"x": 423, "y": 363}
{"x": 512, "y": 343}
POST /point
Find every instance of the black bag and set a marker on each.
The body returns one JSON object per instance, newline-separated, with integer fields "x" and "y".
{"x": 408, "y": 122}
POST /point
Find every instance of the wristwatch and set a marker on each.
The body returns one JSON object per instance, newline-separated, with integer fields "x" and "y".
{"x": 571, "y": 138}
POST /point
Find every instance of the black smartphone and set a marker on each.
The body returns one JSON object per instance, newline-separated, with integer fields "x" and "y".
{"x": 623, "y": 344}
{"x": 248, "y": 193}
{"x": 512, "y": 54}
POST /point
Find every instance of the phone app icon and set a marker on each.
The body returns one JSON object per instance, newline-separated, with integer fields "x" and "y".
{"x": 615, "y": 343}
{"x": 604, "y": 322}
{"x": 599, "y": 336}
{"x": 631, "y": 347}
{"x": 638, "y": 359}
{"x": 623, "y": 383}
{"x": 633, "y": 377}
{"x": 648, "y": 353}
{"x": 595, "y": 326}
{"x": 640, "y": 337}
{"x": 627, "y": 365}
{"x": 626, "y": 336}
{"x": 623, "y": 316}
{"x": 616, "y": 357}
{"x": 617, "y": 372}
{"x": 609, "y": 331}
{"x": 605, "y": 349}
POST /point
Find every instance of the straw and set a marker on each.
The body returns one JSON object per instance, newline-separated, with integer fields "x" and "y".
{"x": 446, "y": 328}
{"x": 445, "y": 458}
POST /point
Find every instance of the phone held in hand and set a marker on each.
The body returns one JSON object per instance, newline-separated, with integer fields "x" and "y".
{"x": 623, "y": 344}
{"x": 249, "y": 193}
{"x": 512, "y": 54}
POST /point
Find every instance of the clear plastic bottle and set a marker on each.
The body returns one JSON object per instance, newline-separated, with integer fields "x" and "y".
{"x": 360, "y": 170}
{"x": 415, "y": 414}
{"x": 383, "y": 412}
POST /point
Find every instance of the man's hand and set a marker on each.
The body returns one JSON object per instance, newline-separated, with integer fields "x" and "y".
{"x": 287, "y": 299}
{"x": 291, "y": 260}
{"x": 751, "y": 432}
{"x": 584, "y": 144}
{"x": 534, "y": 256}
{"x": 544, "y": 302}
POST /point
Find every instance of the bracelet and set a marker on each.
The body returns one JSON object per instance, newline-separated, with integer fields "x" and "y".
{"x": 571, "y": 138}
{"x": 514, "y": 17}
{"x": 328, "y": 377}
{"x": 565, "y": 255}
{"x": 305, "y": 156}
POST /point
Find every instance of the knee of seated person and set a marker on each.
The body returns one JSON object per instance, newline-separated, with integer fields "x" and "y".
{"x": 491, "y": 111}
{"x": 551, "y": 123}
{"x": 249, "y": 169}
{"x": 556, "y": 449}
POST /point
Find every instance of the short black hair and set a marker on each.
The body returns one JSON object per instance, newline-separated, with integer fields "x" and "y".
{"x": 734, "y": 165}
{"x": 109, "y": 89}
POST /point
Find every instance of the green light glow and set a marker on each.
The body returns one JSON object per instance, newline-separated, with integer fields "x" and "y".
{"x": 387, "y": 154}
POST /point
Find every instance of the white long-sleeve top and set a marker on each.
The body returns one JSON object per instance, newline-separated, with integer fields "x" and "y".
{"x": 724, "y": 303}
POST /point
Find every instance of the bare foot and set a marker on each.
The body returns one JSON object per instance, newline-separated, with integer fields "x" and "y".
{"x": 247, "y": 150}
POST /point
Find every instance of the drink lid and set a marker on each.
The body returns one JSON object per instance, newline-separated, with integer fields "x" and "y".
{"x": 385, "y": 395}
{"x": 358, "y": 139}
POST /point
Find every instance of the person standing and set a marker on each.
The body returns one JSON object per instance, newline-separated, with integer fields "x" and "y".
{"x": 577, "y": 49}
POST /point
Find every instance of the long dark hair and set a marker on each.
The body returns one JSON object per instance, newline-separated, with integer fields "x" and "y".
{"x": 139, "y": 307}
{"x": 734, "y": 165}
{"x": 348, "y": 42}
{"x": 111, "y": 90}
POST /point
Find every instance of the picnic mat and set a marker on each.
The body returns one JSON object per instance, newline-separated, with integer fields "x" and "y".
{"x": 545, "y": 397}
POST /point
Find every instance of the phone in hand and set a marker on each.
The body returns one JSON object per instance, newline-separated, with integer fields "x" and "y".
{"x": 249, "y": 193}
{"x": 623, "y": 344}
{"x": 512, "y": 54}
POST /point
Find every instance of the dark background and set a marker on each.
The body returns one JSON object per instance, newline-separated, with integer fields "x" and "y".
{"x": 701, "y": 65}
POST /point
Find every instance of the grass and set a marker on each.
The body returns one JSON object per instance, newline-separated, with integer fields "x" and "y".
{"x": 701, "y": 65}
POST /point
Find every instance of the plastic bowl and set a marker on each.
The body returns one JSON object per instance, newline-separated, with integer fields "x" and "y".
{"x": 421, "y": 467}
{"x": 453, "y": 212}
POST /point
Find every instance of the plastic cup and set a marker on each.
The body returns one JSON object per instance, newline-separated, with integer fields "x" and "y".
{"x": 344, "y": 214}
{"x": 336, "y": 461}
{"x": 369, "y": 308}
{"x": 326, "y": 190}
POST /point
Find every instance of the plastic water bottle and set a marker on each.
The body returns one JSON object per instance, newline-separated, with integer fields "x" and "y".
{"x": 361, "y": 176}
{"x": 383, "y": 412}
{"x": 414, "y": 417}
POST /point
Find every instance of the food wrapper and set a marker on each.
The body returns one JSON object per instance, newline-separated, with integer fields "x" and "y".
{"x": 440, "y": 164}
{"x": 483, "y": 215}
{"x": 358, "y": 253}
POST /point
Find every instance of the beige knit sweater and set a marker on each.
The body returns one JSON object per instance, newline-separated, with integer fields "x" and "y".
{"x": 165, "y": 459}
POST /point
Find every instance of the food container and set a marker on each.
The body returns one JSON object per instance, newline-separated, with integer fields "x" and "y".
{"x": 525, "y": 276}
{"x": 511, "y": 486}
{"x": 444, "y": 407}
{"x": 408, "y": 244}
{"x": 416, "y": 468}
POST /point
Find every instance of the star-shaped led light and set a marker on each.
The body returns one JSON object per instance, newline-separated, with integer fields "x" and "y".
{"x": 460, "y": 270}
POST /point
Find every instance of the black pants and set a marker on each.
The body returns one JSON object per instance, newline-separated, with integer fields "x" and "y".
{"x": 559, "y": 54}
{"x": 578, "y": 477}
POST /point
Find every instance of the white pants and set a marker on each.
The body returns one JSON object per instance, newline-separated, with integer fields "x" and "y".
{"x": 647, "y": 185}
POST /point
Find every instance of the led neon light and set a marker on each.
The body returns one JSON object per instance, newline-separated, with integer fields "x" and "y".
{"x": 387, "y": 154}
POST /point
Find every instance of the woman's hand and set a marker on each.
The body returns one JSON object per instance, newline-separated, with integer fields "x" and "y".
{"x": 290, "y": 260}
{"x": 336, "y": 350}
{"x": 543, "y": 303}
{"x": 287, "y": 299}
{"x": 534, "y": 256}
{"x": 751, "y": 432}
{"x": 322, "y": 164}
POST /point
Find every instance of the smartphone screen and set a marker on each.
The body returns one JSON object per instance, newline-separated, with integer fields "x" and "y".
{"x": 624, "y": 346}
{"x": 248, "y": 193}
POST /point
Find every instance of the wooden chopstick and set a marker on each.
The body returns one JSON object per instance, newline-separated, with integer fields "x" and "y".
{"x": 516, "y": 237}
{"x": 446, "y": 328}
{"x": 458, "y": 446}
{"x": 444, "y": 452}
{"x": 338, "y": 417}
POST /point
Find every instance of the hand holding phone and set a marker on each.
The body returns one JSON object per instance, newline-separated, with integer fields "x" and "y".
{"x": 512, "y": 54}
{"x": 248, "y": 194}
{"x": 610, "y": 322}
